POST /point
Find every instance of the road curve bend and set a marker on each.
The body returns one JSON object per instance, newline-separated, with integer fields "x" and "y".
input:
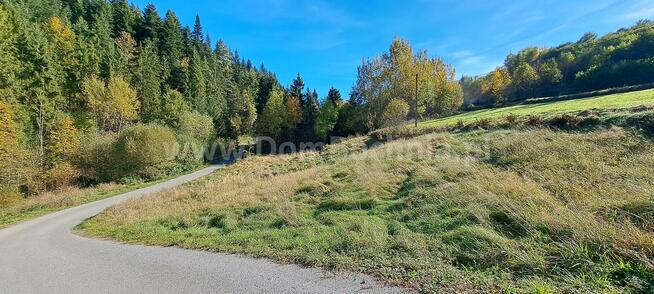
{"x": 43, "y": 256}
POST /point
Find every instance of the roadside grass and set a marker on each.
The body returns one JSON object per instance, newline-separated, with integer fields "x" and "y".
{"x": 34, "y": 206}
{"x": 601, "y": 103}
{"x": 509, "y": 210}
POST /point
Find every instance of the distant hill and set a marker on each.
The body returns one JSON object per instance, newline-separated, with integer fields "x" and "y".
{"x": 622, "y": 58}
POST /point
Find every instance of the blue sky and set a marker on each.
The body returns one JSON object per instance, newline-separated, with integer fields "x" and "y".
{"x": 325, "y": 41}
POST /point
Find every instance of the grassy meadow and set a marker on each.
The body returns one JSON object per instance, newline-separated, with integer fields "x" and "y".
{"x": 51, "y": 201}
{"x": 521, "y": 209}
{"x": 17, "y": 209}
{"x": 601, "y": 103}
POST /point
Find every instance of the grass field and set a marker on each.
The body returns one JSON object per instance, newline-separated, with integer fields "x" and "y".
{"x": 608, "y": 102}
{"x": 34, "y": 206}
{"x": 528, "y": 210}
{"x": 48, "y": 202}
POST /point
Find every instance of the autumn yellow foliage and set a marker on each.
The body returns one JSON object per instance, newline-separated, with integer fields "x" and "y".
{"x": 496, "y": 83}
{"x": 114, "y": 104}
{"x": 10, "y": 153}
{"x": 63, "y": 139}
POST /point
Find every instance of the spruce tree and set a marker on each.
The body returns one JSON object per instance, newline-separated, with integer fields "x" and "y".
{"x": 296, "y": 89}
{"x": 8, "y": 59}
{"x": 124, "y": 18}
{"x": 148, "y": 81}
{"x": 42, "y": 91}
{"x": 172, "y": 42}
{"x": 334, "y": 96}
{"x": 197, "y": 35}
{"x": 310, "y": 111}
{"x": 267, "y": 82}
{"x": 197, "y": 83}
{"x": 152, "y": 24}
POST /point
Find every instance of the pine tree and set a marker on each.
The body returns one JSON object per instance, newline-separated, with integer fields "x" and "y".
{"x": 310, "y": 111}
{"x": 215, "y": 93}
{"x": 267, "y": 82}
{"x": 9, "y": 66}
{"x": 42, "y": 91}
{"x": 148, "y": 81}
{"x": 296, "y": 89}
{"x": 197, "y": 35}
{"x": 171, "y": 42}
{"x": 87, "y": 54}
{"x": 152, "y": 24}
{"x": 124, "y": 18}
{"x": 334, "y": 96}
{"x": 197, "y": 83}
{"x": 223, "y": 87}
{"x": 103, "y": 43}
{"x": 128, "y": 52}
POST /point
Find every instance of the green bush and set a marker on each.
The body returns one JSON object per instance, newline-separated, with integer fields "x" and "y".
{"x": 191, "y": 150}
{"x": 97, "y": 159}
{"x": 196, "y": 125}
{"x": 141, "y": 150}
{"x": 144, "y": 147}
{"x": 194, "y": 131}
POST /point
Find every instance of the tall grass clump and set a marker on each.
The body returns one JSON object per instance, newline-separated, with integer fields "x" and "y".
{"x": 526, "y": 211}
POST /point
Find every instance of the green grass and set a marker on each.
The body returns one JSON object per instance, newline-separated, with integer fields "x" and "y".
{"x": 518, "y": 211}
{"x": 47, "y": 202}
{"x": 608, "y": 102}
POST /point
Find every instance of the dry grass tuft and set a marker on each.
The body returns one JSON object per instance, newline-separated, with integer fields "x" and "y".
{"x": 481, "y": 211}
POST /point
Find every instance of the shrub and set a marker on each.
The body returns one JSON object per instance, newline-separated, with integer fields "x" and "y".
{"x": 142, "y": 147}
{"x": 534, "y": 121}
{"x": 511, "y": 120}
{"x": 565, "y": 121}
{"x": 9, "y": 196}
{"x": 139, "y": 150}
{"x": 191, "y": 150}
{"x": 482, "y": 123}
{"x": 61, "y": 175}
{"x": 395, "y": 112}
{"x": 196, "y": 125}
{"x": 97, "y": 159}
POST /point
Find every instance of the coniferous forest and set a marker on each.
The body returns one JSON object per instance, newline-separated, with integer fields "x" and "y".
{"x": 94, "y": 91}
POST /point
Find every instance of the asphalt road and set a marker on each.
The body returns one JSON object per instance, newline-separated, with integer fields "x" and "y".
{"x": 44, "y": 256}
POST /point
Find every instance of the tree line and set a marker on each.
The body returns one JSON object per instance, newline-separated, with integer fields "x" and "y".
{"x": 622, "y": 58}
{"x": 95, "y": 90}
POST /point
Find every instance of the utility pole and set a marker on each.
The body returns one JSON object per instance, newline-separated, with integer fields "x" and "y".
{"x": 415, "y": 104}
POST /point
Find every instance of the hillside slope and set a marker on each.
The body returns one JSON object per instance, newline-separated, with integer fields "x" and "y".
{"x": 526, "y": 209}
{"x": 598, "y": 103}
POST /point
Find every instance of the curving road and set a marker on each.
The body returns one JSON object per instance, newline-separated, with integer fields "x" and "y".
{"x": 43, "y": 256}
